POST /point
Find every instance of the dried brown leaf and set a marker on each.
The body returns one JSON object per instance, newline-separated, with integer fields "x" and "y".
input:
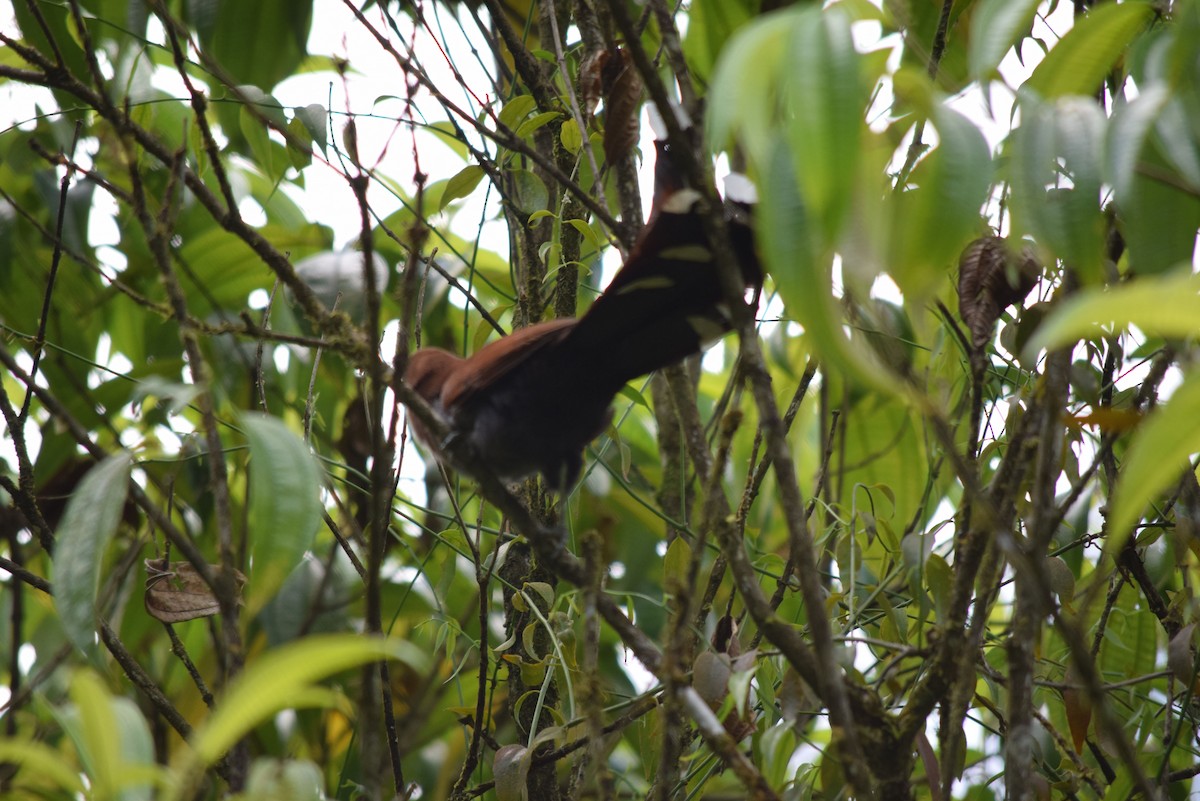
{"x": 591, "y": 84}
{"x": 991, "y": 276}
{"x": 176, "y": 593}
{"x": 724, "y": 637}
{"x": 622, "y": 97}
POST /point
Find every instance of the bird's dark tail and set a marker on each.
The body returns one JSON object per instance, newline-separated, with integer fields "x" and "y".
{"x": 666, "y": 302}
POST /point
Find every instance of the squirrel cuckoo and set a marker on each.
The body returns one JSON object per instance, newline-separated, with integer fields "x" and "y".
{"x": 531, "y": 401}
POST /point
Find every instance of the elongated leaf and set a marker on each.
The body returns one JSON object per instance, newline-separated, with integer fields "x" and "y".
{"x": 95, "y": 727}
{"x": 1063, "y": 215}
{"x": 800, "y": 265}
{"x": 516, "y": 110}
{"x": 1159, "y": 218}
{"x": 821, "y": 88}
{"x": 1081, "y": 59}
{"x": 87, "y": 527}
{"x": 936, "y": 220}
{"x": 1157, "y": 455}
{"x": 1078, "y": 709}
{"x": 285, "y": 486}
{"x": 1168, "y": 307}
{"x": 283, "y": 679}
{"x": 535, "y": 122}
{"x": 112, "y": 739}
{"x": 314, "y": 118}
{"x": 710, "y": 24}
{"x": 461, "y": 184}
{"x": 1131, "y": 123}
{"x": 528, "y": 192}
{"x": 236, "y": 39}
{"x": 1180, "y": 140}
{"x": 995, "y": 27}
{"x": 43, "y": 762}
{"x": 742, "y": 103}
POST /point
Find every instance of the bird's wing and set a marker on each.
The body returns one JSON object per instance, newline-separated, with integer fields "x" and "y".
{"x": 501, "y": 357}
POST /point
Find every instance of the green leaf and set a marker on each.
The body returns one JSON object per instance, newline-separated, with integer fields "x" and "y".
{"x": 270, "y": 156}
{"x": 258, "y": 43}
{"x": 742, "y": 103}
{"x": 448, "y": 134}
{"x": 1131, "y": 122}
{"x": 96, "y": 725}
{"x": 284, "y": 679}
{"x": 51, "y": 30}
{"x": 461, "y": 184}
{"x": 112, "y": 739}
{"x": 939, "y": 577}
{"x": 710, "y": 24}
{"x": 299, "y": 145}
{"x": 263, "y": 104}
{"x": 936, "y": 219}
{"x": 47, "y": 764}
{"x": 800, "y": 266}
{"x": 996, "y": 26}
{"x": 1166, "y": 307}
{"x": 632, "y": 395}
{"x": 570, "y": 136}
{"x": 676, "y": 563}
{"x": 535, "y": 122}
{"x": 315, "y": 120}
{"x": 230, "y": 270}
{"x": 1179, "y": 138}
{"x": 528, "y": 192}
{"x": 1063, "y": 136}
{"x": 1081, "y": 59}
{"x": 821, "y": 86}
{"x": 87, "y": 527}
{"x": 1158, "y": 216}
{"x": 594, "y": 237}
{"x": 285, "y": 510}
{"x": 516, "y": 110}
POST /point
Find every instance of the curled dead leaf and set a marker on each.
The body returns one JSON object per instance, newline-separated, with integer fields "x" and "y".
{"x": 610, "y": 74}
{"x": 991, "y": 277}
{"x": 724, "y": 639}
{"x": 175, "y": 592}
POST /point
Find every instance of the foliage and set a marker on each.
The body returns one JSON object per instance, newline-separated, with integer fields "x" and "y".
{"x": 959, "y": 562}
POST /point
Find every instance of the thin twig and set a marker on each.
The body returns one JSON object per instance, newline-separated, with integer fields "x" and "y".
{"x": 55, "y": 259}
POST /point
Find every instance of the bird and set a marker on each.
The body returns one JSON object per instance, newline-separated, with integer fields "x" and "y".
{"x": 530, "y": 402}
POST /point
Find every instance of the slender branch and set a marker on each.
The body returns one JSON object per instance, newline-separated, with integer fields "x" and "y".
{"x": 55, "y": 259}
